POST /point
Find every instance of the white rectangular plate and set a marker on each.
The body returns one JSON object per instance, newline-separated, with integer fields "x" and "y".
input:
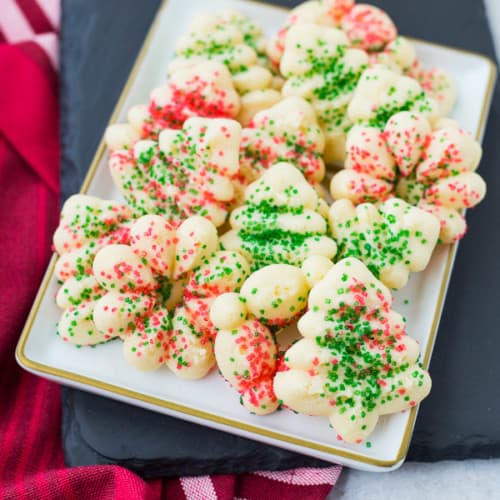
{"x": 211, "y": 401}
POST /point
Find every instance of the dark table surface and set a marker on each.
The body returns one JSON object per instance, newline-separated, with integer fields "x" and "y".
{"x": 460, "y": 419}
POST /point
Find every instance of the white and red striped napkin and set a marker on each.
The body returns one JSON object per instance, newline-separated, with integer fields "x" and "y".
{"x": 31, "y": 23}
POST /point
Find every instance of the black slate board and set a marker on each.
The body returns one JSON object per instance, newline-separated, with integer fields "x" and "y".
{"x": 459, "y": 420}
{"x": 103, "y": 431}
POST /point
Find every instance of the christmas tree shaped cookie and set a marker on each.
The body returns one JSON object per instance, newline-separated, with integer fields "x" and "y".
{"x": 283, "y": 220}
{"x": 321, "y": 68}
{"x": 355, "y": 362}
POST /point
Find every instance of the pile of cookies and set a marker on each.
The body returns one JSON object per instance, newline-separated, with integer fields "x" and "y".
{"x": 227, "y": 234}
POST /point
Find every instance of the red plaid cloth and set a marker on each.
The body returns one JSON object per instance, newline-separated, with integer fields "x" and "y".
{"x": 31, "y": 458}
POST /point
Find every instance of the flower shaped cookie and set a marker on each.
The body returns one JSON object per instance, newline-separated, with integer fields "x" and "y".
{"x": 283, "y": 220}
{"x": 355, "y": 362}
{"x": 155, "y": 295}
{"x": 433, "y": 169}
{"x": 132, "y": 277}
{"x": 190, "y": 352}
{"x": 368, "y": 27}
{"x": 382, "y": 93}
{"x": 187, "y": 347}
{"x": 392, "y": 240}
{"x": 371, "y": 29}
{"x": 204, "y": 90}
{"x": 245, "y": 348}
{"x": 286, "y": 132}
{"x": 187, "y": 172}
{"x": 178, "y": 331}
{"x": 227, "y": 38}
{"x": 321, "y": 68}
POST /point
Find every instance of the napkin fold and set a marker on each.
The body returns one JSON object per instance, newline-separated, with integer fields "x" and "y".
{"x": 31, "y": 458}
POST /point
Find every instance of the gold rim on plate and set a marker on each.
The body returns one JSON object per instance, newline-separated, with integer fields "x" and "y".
{"x": 128, "y": 395}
